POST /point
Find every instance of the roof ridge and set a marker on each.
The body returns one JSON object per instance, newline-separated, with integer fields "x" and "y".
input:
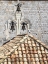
{"x": 30, "y": 35}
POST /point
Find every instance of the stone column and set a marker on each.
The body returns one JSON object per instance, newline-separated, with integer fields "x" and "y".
{"x": 18, "y": 20}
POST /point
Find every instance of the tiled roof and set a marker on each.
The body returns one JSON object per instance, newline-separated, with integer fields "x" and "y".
{"x": 24, "y": 50}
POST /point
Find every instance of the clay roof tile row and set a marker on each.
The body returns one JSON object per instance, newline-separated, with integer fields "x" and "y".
{"x": 27, "y": 50}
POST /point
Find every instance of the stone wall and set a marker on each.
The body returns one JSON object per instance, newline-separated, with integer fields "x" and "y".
{"x": 35, "y": 11}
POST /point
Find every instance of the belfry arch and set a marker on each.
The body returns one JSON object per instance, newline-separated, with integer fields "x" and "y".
{"x": 25, "y": 26}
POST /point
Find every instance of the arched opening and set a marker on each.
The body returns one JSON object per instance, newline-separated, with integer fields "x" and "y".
{"x": 25, "y": 25}
{"x": 10, "y": 29}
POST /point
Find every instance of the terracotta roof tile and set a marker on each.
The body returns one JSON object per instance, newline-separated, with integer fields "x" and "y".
{"x": 28, "y": 51}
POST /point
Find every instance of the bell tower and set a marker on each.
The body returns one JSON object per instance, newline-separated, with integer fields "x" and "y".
{"x": 22, "y": 25}
{"x": 18, "y": 17}
{"x": 18, "y": 26}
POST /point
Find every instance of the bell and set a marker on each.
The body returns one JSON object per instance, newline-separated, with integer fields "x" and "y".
{"x": 18, "y": 7}
{"x": 23, "y": 26}
{"x": 12, "y": 26}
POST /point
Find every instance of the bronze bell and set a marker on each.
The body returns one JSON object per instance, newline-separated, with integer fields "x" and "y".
{"x": 18, "y": 7}
{"x": 12, "y": 26}
{"x": 23, "y": 26}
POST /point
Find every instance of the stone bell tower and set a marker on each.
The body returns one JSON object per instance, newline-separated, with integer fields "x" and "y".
{"x": 22, "y": 25}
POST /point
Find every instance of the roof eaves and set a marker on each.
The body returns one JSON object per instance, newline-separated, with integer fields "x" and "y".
{"x": 38, "y": 41}
{"x": 6, "y": 56}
